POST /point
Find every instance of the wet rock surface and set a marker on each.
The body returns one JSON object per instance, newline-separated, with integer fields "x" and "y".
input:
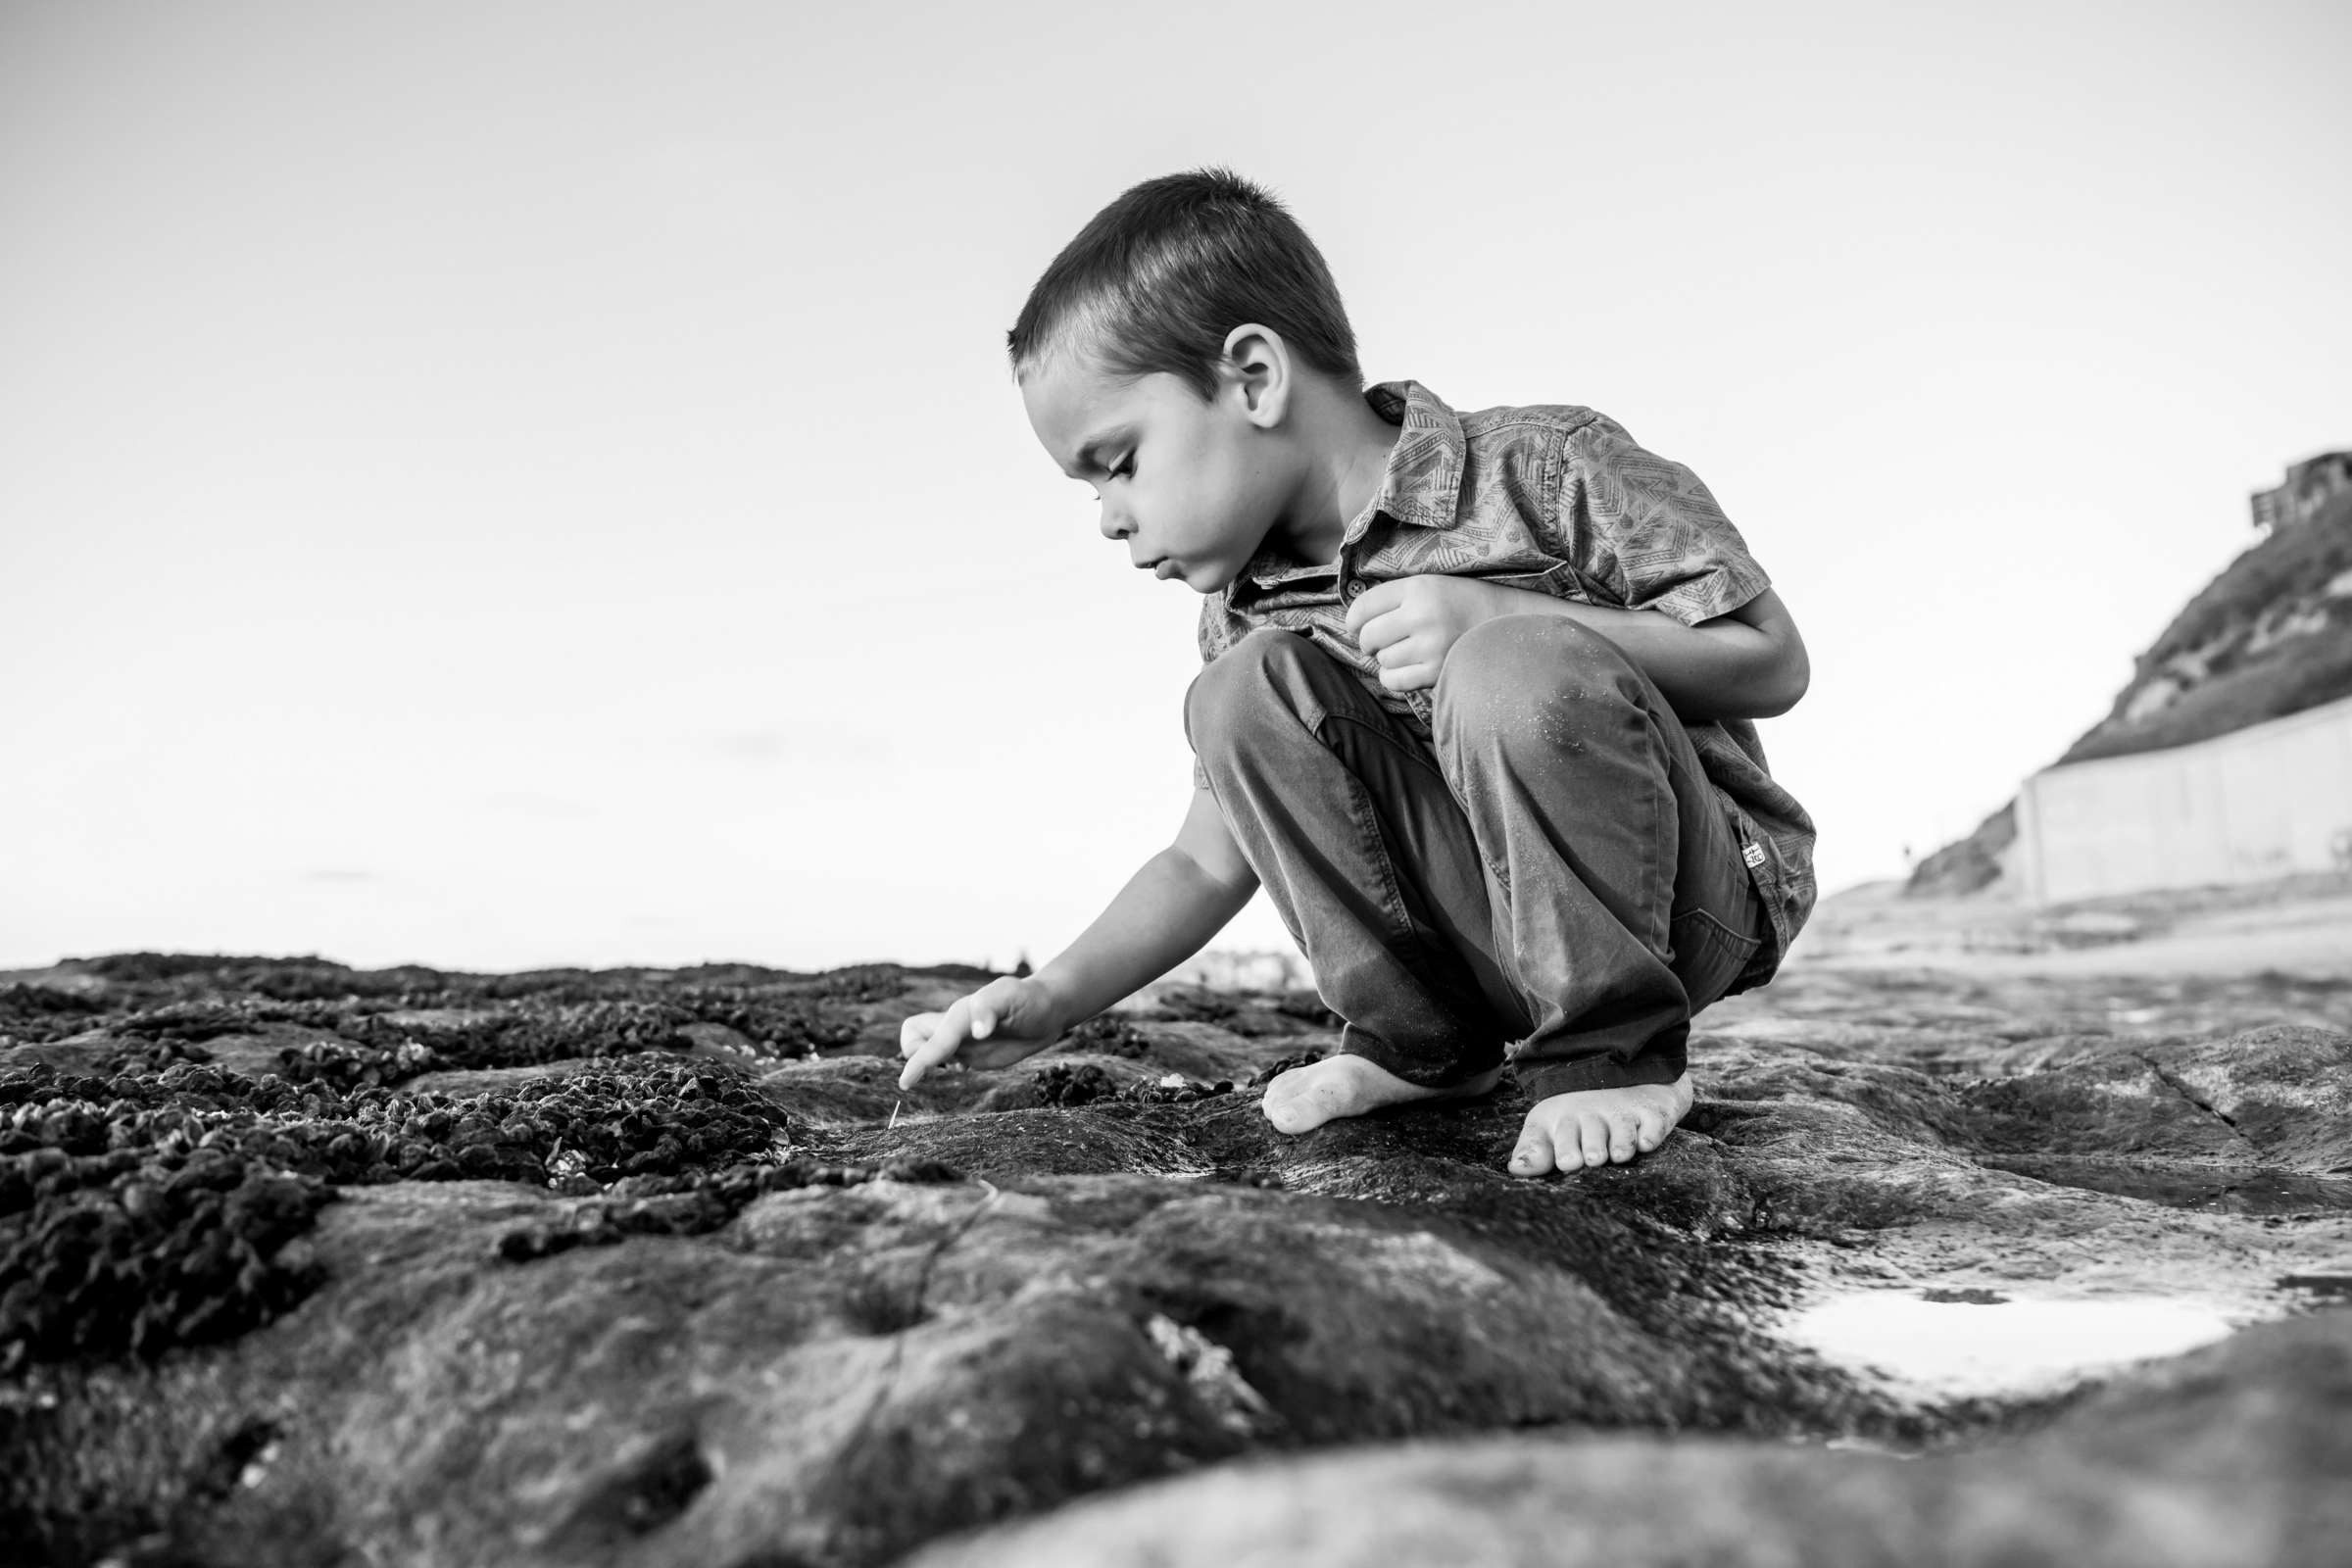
{"x": 2210, "y": 1462}
{"x": 307, "y": 1264}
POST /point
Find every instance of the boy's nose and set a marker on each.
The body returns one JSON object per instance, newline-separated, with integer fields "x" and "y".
{"x": 1115, "y": 524}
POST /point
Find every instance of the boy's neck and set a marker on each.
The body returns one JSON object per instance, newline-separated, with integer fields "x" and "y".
{"x": 1347, "y": 444}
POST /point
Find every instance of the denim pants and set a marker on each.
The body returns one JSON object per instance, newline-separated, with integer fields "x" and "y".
{"x": 1547, "y": 876}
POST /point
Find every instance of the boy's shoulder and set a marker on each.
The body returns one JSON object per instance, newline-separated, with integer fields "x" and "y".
{"x": 1576, "y": 446}
{"x": 1555, "y": 418}
{"x": 1537, "y": 454}
{"x": 1558, "y": 437}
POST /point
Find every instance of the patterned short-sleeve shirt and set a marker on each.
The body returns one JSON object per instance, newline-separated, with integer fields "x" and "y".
{"x": 1558, "y": 500}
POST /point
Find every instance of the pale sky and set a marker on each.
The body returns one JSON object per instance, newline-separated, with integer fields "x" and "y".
{"x": 497, "y": 485}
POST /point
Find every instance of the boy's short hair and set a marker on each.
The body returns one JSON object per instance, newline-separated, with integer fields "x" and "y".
{"x": 1158, "y": 277}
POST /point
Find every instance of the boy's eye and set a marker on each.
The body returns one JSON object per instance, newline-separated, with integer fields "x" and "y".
{"x": 1124, "y": 468}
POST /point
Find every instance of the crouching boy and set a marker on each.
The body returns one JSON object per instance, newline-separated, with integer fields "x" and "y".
{"x": 1476, "y": 706}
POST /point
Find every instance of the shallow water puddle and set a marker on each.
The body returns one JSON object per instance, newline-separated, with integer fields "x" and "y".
{"x": 1972, "y": 1343}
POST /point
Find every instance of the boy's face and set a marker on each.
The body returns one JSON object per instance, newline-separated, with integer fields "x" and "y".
{"x": 1189, "y": 486}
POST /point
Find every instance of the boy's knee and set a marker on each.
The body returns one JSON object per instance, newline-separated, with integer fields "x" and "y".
{"x": 1239, "y": 683}
{"x": 1516, "y": 664}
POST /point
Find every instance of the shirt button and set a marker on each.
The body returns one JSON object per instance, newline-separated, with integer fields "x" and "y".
{"x": 1351, "y": 590}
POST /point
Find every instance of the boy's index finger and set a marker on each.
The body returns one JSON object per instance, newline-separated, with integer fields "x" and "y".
{"x": 943, "y": 1044}
{"x": 1370, "y": 603}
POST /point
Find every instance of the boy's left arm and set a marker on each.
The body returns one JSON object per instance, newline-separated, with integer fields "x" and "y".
{"x": 1748, "y": 663}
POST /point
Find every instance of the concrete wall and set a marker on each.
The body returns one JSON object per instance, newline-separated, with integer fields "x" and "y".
{"x": 2261, "y": 803}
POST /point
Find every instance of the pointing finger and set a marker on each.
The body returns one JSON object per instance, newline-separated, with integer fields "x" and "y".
{"x": 943, "y": 1044}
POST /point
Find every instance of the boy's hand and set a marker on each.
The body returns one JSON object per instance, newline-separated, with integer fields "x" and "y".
{"x": 995, "y": 1026}
{"x": 1410, "y": 623}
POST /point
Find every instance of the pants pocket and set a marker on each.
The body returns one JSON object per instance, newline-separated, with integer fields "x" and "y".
{"x": 1708, "y": 956}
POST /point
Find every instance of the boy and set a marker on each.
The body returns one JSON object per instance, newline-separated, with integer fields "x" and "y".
{"x": 1474, "y": 708}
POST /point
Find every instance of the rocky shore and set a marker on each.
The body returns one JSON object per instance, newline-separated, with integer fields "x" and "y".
{"x": 302, "y": 1265}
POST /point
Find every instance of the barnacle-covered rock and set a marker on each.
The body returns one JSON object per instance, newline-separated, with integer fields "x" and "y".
{"x": 119, "y": 1255}
{"x": 1069, "y": 1085}
{"x": 112, "y": 1247}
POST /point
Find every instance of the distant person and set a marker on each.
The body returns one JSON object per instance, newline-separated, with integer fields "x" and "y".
{"x": 1475, "y": 707}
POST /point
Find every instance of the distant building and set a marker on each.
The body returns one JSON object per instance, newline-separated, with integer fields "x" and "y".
{"x": 2268, "y": 801}
{"x": 2310, "y": 485}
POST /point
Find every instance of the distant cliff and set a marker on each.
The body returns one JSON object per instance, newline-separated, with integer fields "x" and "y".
{"x": 2272, "y": 635}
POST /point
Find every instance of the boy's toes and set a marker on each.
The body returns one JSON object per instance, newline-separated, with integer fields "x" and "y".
{"x": 1286, "y": 1105}
{"x": 1533, "y": 1155}
{"x": 1593, "y": 1137}
{"x": 1651, "y": 1131}
{"x": 1624, "y": 1139}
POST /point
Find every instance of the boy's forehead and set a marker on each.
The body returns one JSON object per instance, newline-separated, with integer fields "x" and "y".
{"x": 1075, "y": 407}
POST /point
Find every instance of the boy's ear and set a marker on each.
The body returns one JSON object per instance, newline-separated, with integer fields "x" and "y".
{"x": 1256, "y": 374}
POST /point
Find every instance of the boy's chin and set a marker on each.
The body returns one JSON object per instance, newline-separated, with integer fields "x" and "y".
{"x": 1202, "y": 578}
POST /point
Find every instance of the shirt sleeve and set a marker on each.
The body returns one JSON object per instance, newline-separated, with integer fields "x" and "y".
{"x": 1645, "y": 533}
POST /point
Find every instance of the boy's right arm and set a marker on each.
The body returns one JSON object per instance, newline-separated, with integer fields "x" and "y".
{"x": 1166, "y": 913}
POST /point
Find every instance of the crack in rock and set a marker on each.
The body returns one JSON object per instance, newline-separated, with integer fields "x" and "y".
{"x": 893, "y": 1368}
{"x": 2170, "y": 1081}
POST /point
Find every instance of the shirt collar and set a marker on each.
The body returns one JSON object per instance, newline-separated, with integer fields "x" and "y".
{"x": 1422, "y": 484}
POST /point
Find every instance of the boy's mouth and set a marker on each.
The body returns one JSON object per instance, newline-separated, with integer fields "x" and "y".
{"x": 1163, "y": 567}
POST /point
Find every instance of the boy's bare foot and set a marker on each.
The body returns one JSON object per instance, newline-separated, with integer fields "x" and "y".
{"x": 1597, "y": 1126}
{"x": 1348, "y": 1086}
